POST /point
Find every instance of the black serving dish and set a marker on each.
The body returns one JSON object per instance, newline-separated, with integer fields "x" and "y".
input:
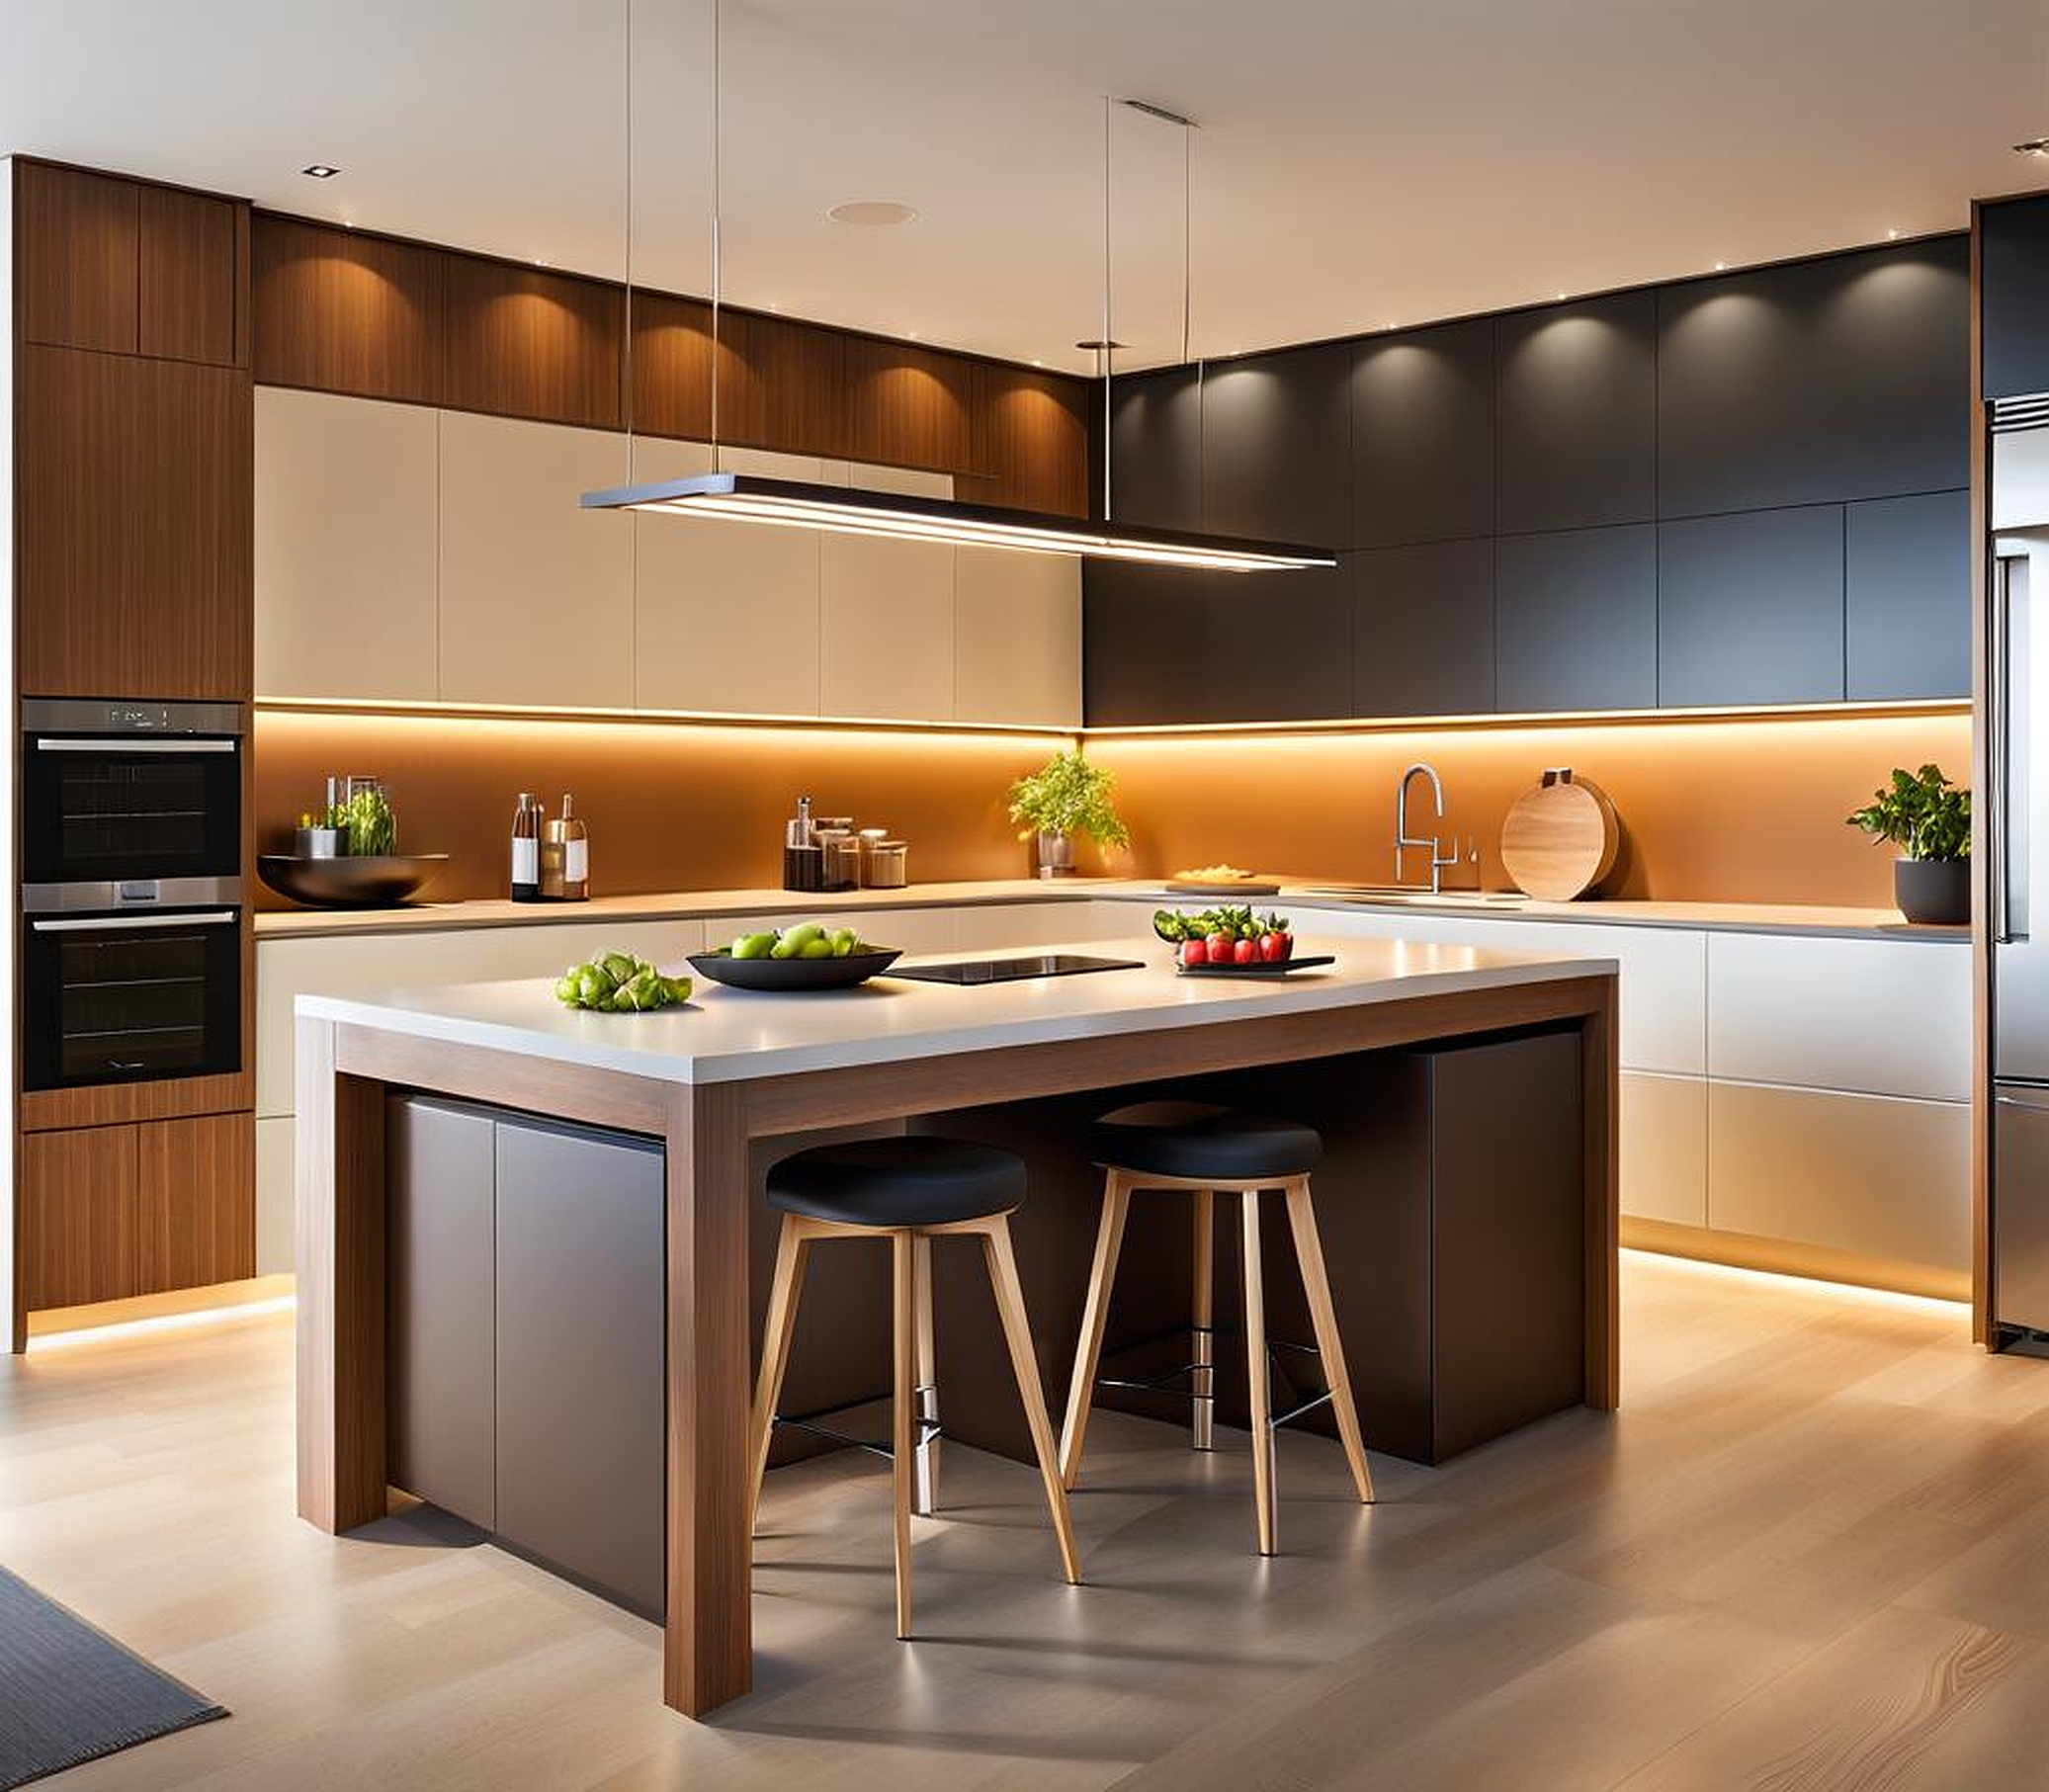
{"x": 381, "y": 882}
{"x": 793, "y": 973}
{"x": 1279, "y": 967}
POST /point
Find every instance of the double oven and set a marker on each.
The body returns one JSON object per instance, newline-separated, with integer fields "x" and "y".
{"x": 131, "y": 891}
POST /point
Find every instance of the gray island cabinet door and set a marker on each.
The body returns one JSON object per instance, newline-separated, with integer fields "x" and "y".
{"x": 580, "y": 1352}
{"x": 438, "y": 1169}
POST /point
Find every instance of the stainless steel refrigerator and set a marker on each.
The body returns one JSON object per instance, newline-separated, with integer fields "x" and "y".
{"x": 2017, "y": 835}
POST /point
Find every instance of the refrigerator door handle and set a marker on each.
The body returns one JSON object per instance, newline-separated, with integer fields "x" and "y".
{"x": 1998, "y": 750}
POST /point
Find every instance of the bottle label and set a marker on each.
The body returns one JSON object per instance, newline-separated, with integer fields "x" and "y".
{"x": 575, "y": 860}
{"x": 526, "y": 861}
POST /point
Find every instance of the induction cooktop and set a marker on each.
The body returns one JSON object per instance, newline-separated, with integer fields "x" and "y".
{"x": 1014, "y": 970}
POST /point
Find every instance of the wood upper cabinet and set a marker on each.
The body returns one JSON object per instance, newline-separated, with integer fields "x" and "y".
{"x": 672, "y": 371}
{"x": 132, "y": 526}
{"x": 908, "y": 407}
{"x": 129, "y": 268}
{"x": 1030, "y": 442}
{"x": 523, "y": 342}
{"x": 787, "y": 388}
{"x": 344, "y": 312}
{"x": 196, "y": 1202}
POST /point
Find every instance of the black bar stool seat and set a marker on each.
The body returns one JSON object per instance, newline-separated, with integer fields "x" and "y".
{"x": 889, "y": 1182}
{"x": 906, "y": 1192}
{"x": 1195, "y": 1142}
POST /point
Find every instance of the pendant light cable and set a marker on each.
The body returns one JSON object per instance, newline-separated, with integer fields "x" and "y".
{"x": 1105, "y": 354}
{"x": 1187, "y": 233}
{"x": 718, "y": 204}
{"x": 626, "y": 112}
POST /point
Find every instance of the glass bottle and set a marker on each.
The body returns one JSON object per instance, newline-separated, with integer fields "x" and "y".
{"x": 525, "y": 849}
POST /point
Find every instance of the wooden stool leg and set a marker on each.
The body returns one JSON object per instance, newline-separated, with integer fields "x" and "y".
{"x": 1323, "y": 1312}
{"x": 792, "y": 1251}
{"x": 904, "y": 1405}
{"x": 925, "y": 1483}
{"x": 1257, "y": 1374}
{"x": 1095, "y": 1311}
{"x": 1002, "y": 1265}
{"x": 1201, "y": 1378}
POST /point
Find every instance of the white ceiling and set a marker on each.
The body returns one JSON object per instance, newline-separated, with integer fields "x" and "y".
{"x": 1359, "y": 161}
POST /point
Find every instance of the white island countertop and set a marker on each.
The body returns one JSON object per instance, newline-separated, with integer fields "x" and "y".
{"x": 726, "y": 1035}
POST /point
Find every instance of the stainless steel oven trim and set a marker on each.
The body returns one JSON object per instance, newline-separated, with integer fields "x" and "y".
{"x": 111, "y": 923}
{"x": 140, "y": 895}
{"x": 128, "y": 716}
{"x": 134, "y": 743}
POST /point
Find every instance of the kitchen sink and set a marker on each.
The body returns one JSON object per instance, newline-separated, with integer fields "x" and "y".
{"x": 1407, "y": 896}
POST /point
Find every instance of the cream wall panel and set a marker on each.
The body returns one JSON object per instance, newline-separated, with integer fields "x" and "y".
{"x": 1664, "y": 1173}
{"x": 1868, "y": 1173}
{"x": 1017, "y": 637}
{"x": 347, "y": 544}
{"x": 536, "y": 593}
{"x": 996, "y": 927}
{"x": 1890, "y": 1017}
{"x": 887, "y": 633}
{"x": 275, "y": 1195}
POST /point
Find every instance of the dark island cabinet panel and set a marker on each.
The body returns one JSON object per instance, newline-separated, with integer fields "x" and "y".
{"x": 1155, "y": 448}
{"x": 1750, "y": 608}
{"x": 1577, "y": 426}
{"x": 1576, "y": 618}
{"x": 1908, "y": 597}
{"x": 1170, "y": 645}
{"x": 1816, "y": 383}
{"x": 1423, "y": 434}
{"x": 1423, "y": 630}
{"x": 1276, "y": 446}
{"x": 2013, "y": 287}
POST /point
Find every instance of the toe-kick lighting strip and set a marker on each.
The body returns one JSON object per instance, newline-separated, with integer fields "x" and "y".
{"x": 844, "y": 510}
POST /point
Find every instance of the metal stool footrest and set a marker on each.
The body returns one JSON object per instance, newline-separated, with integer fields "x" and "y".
{"x": 928, "y": 1428}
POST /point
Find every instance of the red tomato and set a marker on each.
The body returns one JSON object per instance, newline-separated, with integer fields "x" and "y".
{"x": 1221, "y": 947}
{"x": 1194, "y": 952}
{"x": 1274, "y": 947}
{"x": 1246, "y": 952}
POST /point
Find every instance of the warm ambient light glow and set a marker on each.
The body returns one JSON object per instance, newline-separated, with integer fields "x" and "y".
{"x": 531, "y": 712}
{"x": 843, "y": 510}
{"x": 162, "y": 1322}
{"x": 1850, "y": 1292}
{"x": 1537, "y": 718}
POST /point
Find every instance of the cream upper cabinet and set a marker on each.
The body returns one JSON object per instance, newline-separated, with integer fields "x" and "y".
{"x": 536, "y": 593}
{"x": 726, "y": 615}
{"x": 886, "y": 633}
{"x": 1018, "y": 638}
{"x": 347, "y": 537}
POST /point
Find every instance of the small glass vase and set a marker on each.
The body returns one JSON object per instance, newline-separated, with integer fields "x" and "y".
{"x": 1056, "y": 855}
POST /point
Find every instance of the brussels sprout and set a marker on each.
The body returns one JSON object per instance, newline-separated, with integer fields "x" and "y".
{"x": 567, "y": 988}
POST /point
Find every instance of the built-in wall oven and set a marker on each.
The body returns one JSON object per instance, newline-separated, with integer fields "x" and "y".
{"x": 132, "y": 891}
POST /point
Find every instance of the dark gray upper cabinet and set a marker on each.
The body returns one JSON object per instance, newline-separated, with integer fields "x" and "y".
{"x": 1423, "y": 434}
{"x": 1750, "y": 608}
{"x": 1276, "y": 446}
{"x": 1908, "y": 597}
{"x": 1423, "y": 630}
{"x": 1576, "y": 620}
{"x": 1155, "y": 448}
{"x": 1171, "y": 645}
{"x": 2014, "y": 285}
{"x": 1816, "y": 381}
{"x": 1577, "y": 426}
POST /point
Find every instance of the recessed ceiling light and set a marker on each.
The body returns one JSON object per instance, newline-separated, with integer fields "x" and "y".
{"x": 872, "y": 214}
{"x": 1038, "y": 363}
{"x": 2034, "y": 147}
{"x": 1892, "y": 237}
{"x": 1721, "y": 267}
{"x": 321, "y": 171}
{"x": 1560, "y": 294}
{"x": 348, "y": 224}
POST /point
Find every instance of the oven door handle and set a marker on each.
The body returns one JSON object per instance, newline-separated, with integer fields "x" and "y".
{"x": 154, "y": 743}
{"x": 222, "y": 917}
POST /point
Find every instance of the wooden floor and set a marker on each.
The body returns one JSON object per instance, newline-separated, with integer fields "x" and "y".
{"x": 1811, "y": 1553}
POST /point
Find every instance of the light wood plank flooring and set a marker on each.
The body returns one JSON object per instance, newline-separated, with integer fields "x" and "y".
{"x": 1811, "y": 1553}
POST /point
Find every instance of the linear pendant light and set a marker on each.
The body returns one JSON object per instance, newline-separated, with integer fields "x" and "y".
{"x": 849, "y": 510}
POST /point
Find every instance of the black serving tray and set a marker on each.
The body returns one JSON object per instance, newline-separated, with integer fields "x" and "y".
{"x": 1278, "y": 968}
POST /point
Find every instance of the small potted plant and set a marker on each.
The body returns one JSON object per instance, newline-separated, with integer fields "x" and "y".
{"x": 1928, "y": 818}
{"x": 1066, "y": 796}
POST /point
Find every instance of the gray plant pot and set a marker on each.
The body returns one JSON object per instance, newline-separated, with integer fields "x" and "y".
{"x": 1934, "y": 893}
{"x": 1056, "y": 855}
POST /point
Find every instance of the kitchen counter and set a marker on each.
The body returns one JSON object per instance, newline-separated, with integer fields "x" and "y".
{"x": 1515, "y": 1054}
{"x": 1811, "y": 919}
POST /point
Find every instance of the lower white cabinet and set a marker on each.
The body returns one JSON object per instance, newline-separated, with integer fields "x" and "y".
{"x": 1872, "y": 1174}
{"x": 1664, "y": 1144}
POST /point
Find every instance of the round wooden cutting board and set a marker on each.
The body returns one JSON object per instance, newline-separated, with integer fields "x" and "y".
{"x": 1561, "y": 839}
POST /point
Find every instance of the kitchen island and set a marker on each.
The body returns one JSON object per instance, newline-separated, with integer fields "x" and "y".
{"x": 731, "y": 1068}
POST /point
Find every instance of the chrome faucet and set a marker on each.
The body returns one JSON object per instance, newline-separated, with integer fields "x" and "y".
{"x": 1439, "y": 859}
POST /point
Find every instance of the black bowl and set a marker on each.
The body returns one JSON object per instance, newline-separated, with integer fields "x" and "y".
{"x": 795, "y": 972}
{"x": 380, "y": 882}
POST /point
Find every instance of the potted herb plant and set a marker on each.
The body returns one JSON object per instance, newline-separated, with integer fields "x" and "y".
{"x": 1928, "y": 818}
{"x": 1066, "y": 796}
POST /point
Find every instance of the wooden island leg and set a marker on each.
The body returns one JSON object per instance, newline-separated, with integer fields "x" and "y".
{"x": 708, "y": 1652}
{"x": 1599, "y": 1077}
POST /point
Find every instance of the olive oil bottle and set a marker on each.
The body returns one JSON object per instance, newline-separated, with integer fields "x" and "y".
{"x": 565, "y": 857}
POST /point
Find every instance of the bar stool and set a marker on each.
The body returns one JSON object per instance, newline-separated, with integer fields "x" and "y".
{"x": 907, "y": 1191}
{"x": 1204, "y": 1150}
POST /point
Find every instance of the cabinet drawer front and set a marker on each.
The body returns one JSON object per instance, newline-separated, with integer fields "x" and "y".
{"x": 1866, "y": 1173}
{"x": 1665, "y": 1147}
{"x": 76, "y": 1217}
{"x": 1886, "y": 1017}
{"x": 196, "y": 1183}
